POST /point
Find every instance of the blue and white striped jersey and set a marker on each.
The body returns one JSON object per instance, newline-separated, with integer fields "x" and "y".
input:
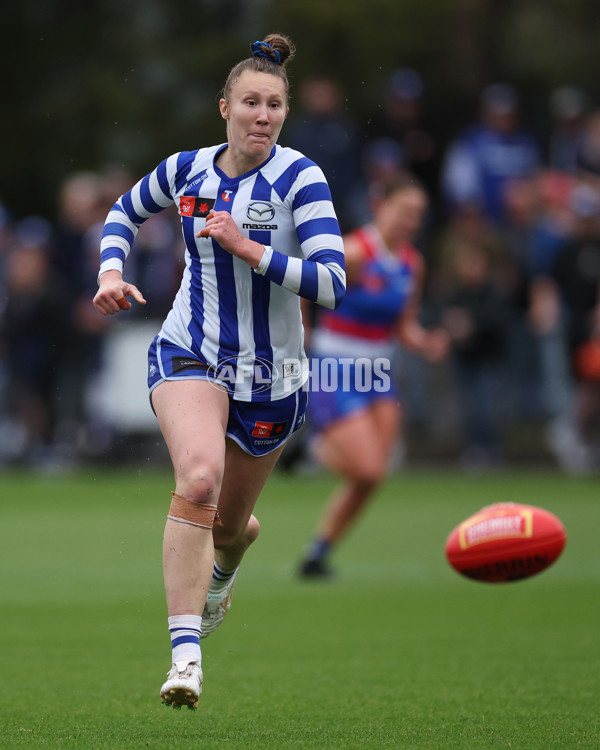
{"x": 225, "y": 312}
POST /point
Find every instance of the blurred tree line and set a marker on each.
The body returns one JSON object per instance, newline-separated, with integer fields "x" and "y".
{"x": 127, "y": 83}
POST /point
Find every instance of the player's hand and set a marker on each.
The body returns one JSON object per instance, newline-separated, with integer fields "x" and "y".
{"x": 438, "y": 345}
{"x": 459, "y": 324}
{"x": 223, "y": 229}
{"x": 113, "y": 292}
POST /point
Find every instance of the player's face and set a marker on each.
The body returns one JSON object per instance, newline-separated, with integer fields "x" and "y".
{"x": 403, "y": 213}
{"x": 255, "y": 112}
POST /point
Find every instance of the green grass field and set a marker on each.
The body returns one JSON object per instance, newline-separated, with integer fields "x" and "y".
{"x": 398, "y": 652}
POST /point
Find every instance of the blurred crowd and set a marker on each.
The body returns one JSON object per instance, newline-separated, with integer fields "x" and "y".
{"x": 511, "y": 245}
{"x": 51, "y": 338}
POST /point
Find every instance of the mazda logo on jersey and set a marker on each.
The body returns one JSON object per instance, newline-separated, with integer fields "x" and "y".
{"x": 259, "y": 211}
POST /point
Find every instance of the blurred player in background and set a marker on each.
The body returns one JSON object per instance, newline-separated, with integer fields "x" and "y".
{"x": 357, "y": 427}
{"x": 260, "y": 232}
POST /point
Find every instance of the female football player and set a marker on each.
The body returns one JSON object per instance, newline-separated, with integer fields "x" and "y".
{"x": 357, "y": 422}
{"x": 227, "y": 368}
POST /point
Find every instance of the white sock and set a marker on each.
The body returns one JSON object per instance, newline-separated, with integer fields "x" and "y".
{"x": 185, "y": 637}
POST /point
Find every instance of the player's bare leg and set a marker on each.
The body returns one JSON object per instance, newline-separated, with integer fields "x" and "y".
{"x": 243, "y": 481}
{"x": 358, "y": 448}
{"x": 193, "y": 417}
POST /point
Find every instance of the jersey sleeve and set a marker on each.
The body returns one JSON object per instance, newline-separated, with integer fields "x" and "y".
{"x": 319, "y": 275}
{"x": 149, "y": 196}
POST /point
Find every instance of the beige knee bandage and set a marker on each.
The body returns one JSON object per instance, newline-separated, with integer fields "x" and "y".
{"x": 196, "y": 514}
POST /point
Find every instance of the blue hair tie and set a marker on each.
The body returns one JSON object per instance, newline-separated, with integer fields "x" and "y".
{"x": 258, "y": 51}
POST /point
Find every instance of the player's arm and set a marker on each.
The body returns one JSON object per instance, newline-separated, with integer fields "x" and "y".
{"x": 432, "y": 344}
{"x": 354, "y": 256}
{"x": 319, "y": 278}
{"x": 149, "y": 196}
{"x": 320, "y": 275}
{"x": 113, "y": 292}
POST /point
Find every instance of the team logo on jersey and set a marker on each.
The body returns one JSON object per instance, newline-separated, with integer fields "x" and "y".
{"x": 197, "y": 207}
{"x": 260, "y": 211}
{"x": 268, "y": 429}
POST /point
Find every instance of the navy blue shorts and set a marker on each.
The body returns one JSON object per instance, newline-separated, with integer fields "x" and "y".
{"x": 258, "y": 427}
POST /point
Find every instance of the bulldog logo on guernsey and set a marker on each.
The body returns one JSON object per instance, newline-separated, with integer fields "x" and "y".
{"x": 487, "y": 528}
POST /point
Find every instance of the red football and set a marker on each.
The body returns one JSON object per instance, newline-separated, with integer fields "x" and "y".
{"x": 505, "y": 542}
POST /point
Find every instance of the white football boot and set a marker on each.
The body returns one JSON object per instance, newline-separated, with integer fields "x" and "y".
{"x": 217, "y": 605}
{"x": 184, "y": 685}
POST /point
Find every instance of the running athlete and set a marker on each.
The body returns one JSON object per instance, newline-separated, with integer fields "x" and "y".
{"x": 227, "y": 368}
{"x": 357, "y": 423}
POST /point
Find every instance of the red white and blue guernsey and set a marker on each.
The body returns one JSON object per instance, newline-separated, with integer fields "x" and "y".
{"x": 364, "y": 326}
{"x": 357, "y": 340}
{"x": 240, "y": 326}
